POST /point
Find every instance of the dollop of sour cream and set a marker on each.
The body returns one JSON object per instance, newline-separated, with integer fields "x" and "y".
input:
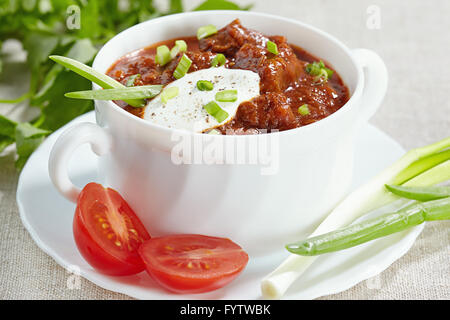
{"x": 185, "y": 111}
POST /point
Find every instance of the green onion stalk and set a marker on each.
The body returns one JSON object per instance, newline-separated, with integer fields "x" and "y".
{"x": 371, "y": 229}
{"x": 419, "y": 167}
{"x": 420, "y": 193}
{"x": 93, "y": 75}
{"x": 125, "y": 94}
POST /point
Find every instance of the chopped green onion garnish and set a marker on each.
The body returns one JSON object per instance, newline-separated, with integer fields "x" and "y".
{"x": 318, "y": 69}
{"x": 218, "y": 61}
{"x": 304, "y": 110}
{"x": 322, "y": 77}
{"x": 216, "y": 111}
{"x": 214, "y": 131}
{"x": 131, "y": 79}
{"x": 226, "y": 96}
{"x": 272, "y": 47}
{"x": 180, "y": 46}
{"x": 182, "y": 67}
{"x": 315, "y": 68}
{"x": 324, "y": 74}
{"x": 162, "y": 55}
{"x": 204, "y": 85}
{"x": 206, "y": 31}
{"x": 169, "y": 93}
{"x": 138, "y": 92}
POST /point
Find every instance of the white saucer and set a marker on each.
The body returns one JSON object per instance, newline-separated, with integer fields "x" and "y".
{"x": 48, "y": 218}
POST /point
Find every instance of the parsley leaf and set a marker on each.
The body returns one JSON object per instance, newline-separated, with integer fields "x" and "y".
{"x": 1, "y": 62}
{"x": 7, "y": 132}
{"x": 56, "y": 109}
{"x": 176, "y": 6}
{"x": 28, "y": 138}
{"x": 39, "y": 46}
{"x": 7, "y": 127}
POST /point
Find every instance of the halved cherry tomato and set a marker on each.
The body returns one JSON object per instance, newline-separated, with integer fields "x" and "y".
{"x": 192, "y": 263}
{"x": 108, "y": 232}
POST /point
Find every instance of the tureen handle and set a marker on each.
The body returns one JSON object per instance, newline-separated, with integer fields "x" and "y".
{"x": 72, "y": 138}
{"x": 375, "y": 81}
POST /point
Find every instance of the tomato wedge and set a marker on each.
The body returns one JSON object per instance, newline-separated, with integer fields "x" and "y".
{"x": 192, "y": 263}
{"x": 108, "y": 232}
